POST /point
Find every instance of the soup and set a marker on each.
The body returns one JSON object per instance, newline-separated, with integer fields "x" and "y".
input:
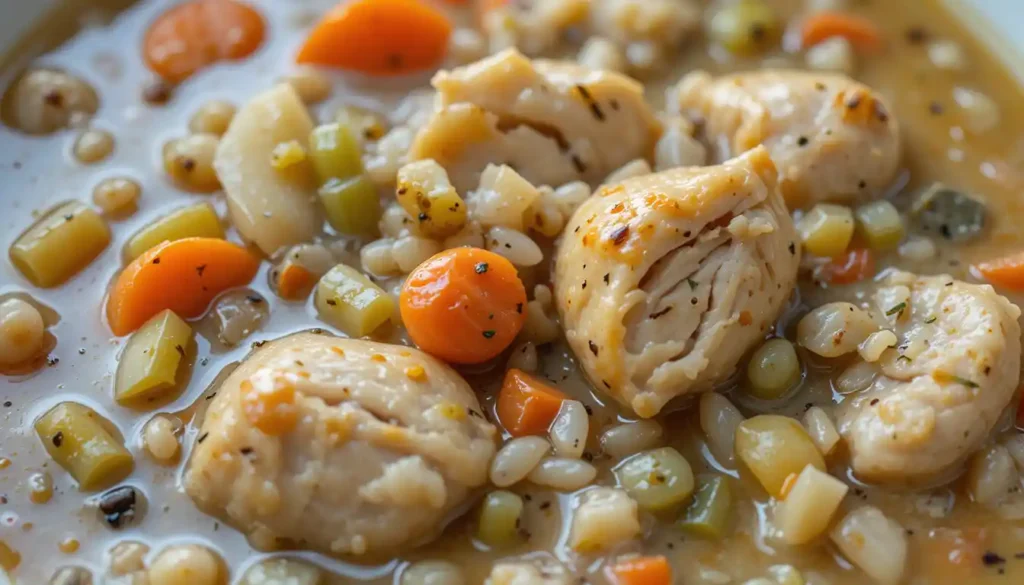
{"x": 605, "y": 291}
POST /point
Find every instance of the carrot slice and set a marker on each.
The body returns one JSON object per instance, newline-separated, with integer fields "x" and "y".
{"x": 1007, "y": 272}
{"x": 854, "y": 266}
{"x": 196, "y": 34}
{"x": 640, "y": 571}
{"x": 526, "y": 406}
{"x": 379, "y": 37}
{"x": 295, "y": 282}
{"x": 183, "y": 276}
{"x": 464, "y": 305}
{"x": 861, "y": 32}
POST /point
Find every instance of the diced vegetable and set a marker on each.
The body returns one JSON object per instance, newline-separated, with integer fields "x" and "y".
{"x": 295, "y": 282}
{"x": 502, "y": 197}
{"x": 822, "y": 25}
{"x": 270, "y": 208}
{"x": 195, "y": 34}
{"x": 746, "y": 27}
{"x": 874, "y": 543}
{"x": 774, "y": 447}
{"x": 464, "y": 305}
{"x": 809, "y": 506}
{"x": 711, "y": 510}
{"x": 348, "y": 300}
{"x": 992, "y": 475}
{"x": 880, "y": 224}
{"x": 1006, "y": 272}
{"x": 640, "y": 571}
{"x": 335, "y": 152}
{"x": 427, "y": 195}
{"x": 63, "y": 242}
{"x": 379, "y": 37}
{"x": 826, "y": 230}
{"x": 658, "y": 480}
{"x": 287, "y": 155}
{"x": 500, "y": 515}
{"x": 78, "y": 439}
{"x": 606, "y": 517}
{"x": 527, "y": 406}
{"x": 194, "y": 221}
{"x": 352, "y": 205}
{"x": 282, "y": 571}
{"x": 152, "y": 359}
{"x": 857, "y": 265}
{"x": 834, "y": 329}
{"x": 954, "y": 215}
{"x": 183, "y": 276}
{"x": 773, "y": 370}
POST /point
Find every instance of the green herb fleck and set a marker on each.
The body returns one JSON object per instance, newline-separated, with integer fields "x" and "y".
{"x": 896, "y": 310}
{"x": 903, "y": 357}
{"x": 489, "y": 333}
{"x": 480, "y": 268}
{"x": 692, "y": 283}
{"x": 931, "y": 320}
{"x": 965, "y": 382}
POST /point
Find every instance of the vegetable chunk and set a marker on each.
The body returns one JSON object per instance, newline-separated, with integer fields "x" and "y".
{"x": 152, "y": 358}
{"x": 349, "y": 301}
{"x": 527, "y": 406}
{"x": 78, "y": 440}
{"x": 60, "y": 244}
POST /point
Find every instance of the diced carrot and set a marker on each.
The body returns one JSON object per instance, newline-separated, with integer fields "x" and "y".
{"x": 640, "y": 571}
{"x": 464, "y": 305}
{"x": 183, "y": 275}
{"x": 295, "y": 282}
{"x": 379, "y": 37}
{"x": 854, "y": 266}
{"x": 1007, "y": 272}
{"x": 193, "y": 35}
{"x": 526, "y": 406}
{"x": 861, "y": 32}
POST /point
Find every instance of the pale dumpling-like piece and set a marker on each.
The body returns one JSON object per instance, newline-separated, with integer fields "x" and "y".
{"x": 664, "y": 281}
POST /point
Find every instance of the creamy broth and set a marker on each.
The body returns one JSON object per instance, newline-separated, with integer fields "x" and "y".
{"x": 960, "y": 545}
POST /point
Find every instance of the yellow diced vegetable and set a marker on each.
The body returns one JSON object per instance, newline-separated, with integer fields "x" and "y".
{"x": 352, "y": 205}
{"x": 78, "y": 439}
{"x": 152, "y": 359}
{"x": 281, "y": 571}
{"x": 746, "y": 27}
{"x": 335, "y": 153}
{"x": 710, "y": 512}
{"x": 604, "y": 519}
{"x": 498, "y": 524}
{"x": 60, "y": 244}
{"x": 348, "y": 300}
{"x": 426, "y": 194}
{"x": 287, "y": 154}
{"x": 880, "y": 224}
{"x": 774, "y": 447}
{"x": 194, "y": 221}
{"x": 826, "y": 230}
{"x": 809, "y": 506}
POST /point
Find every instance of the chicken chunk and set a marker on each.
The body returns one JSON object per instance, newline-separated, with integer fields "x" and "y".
{"x": 942, "y": 388}
{"x": 664, "y": 281}
{"x": 831, "y": 137}
{"x": 553, "y": 121}
{"x": 348, "y": 447}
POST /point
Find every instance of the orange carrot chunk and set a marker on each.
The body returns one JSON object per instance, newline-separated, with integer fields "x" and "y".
{"x": 861, "y": 32}
{"x": 1007, "y": 272}
{"x": 295, "y": 282}
{"x": 854, "y": 266}
{"x": 196, "y": 34}
{"x": 640, "y": 571}
{"x": 183, "y": 276}
{"x": 464, "y": 305}
{"x": 526, "y": 406}
{"x": 379, "y": 37}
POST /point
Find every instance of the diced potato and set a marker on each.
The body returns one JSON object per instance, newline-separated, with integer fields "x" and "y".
{"x": 809, "y": 506}
{"x": 821, "y": 429}
{"x": 502, "y": 197}
{"x": 352, "y": 205}
{"x": 711, "y": 510}
{"x": 605, "y": 518}
{"x": 348, "y": 300}
{"x": 78, "y": 439}
{"x": 874, "y": 543}
{"x": 427, "y": 195}
{"x": 194, "y": 221}
{"x": 269, "y": 208}
{"x": 658, "y": 480}
{"x": 281, "y": 571}
{"x": 152, "y": 359}
{"x": 60, "y": 244}
{"x": 500, "y": 514}
{"x": 826, "y": 230}
{"x": 880, "y": 224}
{"x": 335, "y": 152}
{"x": 773, "y": 447}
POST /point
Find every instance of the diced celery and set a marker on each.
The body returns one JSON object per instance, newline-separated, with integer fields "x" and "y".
{"x": 880, "y": 224}
{"x": 352, "y": 205}
{"x": 78, "y": 439}
{"x": 194, "y": 221}
{"x": 152, "y": 358}
{"x": 658, "y": 480}
{"x": 500, "y": 513}
{"x": 710, "y": 512}
{"x": 60, "y": 244}
{"x": 826, "y": 230}
{"x": 335, "y": 152}
{"x": 427, "y": 195}
{"x": 348, "y": 300}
